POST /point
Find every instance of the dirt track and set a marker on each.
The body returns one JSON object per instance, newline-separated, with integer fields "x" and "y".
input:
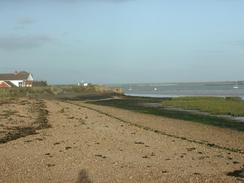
{"x": 110, "y": 145}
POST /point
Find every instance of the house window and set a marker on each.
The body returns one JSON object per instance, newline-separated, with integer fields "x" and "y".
{"x": 20, "y": 84}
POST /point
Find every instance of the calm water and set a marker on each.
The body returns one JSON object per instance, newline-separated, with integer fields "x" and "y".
{"x": 185, "y": 89}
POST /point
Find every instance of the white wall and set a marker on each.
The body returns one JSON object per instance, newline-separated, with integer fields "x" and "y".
{"x": 16, "y": 82}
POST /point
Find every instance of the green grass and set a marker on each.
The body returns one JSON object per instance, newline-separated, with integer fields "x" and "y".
{"x": 233, "y": 106}
{"x": 135, "y": 104}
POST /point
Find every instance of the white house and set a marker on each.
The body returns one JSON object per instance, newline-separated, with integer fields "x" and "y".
{"x": 17, "y": 79}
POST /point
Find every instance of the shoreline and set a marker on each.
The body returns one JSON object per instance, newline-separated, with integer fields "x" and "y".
{"x": 239, "y": 118}
{"x": 176, "y": 96}
{"x": 138, "y": 104}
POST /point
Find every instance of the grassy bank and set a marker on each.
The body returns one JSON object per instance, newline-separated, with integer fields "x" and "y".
{"x": 138, "y": 104}
{"x": 58, "y": 91}
{"x": 233, "y": 106}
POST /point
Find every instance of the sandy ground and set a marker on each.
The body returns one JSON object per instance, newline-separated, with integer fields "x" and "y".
{"x": 14, "y": 115}
{"x": 106, "y": 145}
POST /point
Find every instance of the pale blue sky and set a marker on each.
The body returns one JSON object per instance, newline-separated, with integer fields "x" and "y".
{"x": 121, "y": 41}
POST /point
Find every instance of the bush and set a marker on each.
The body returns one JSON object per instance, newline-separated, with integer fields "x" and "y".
{"x": 54, "y": 90}
{"x": 39, "y": 83}
{"x": 233, "y": 98}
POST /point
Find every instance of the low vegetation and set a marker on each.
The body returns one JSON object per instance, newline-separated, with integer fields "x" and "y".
{"x": 233, "y": 106}
{"x": 58, "y": 91}
{"x": 39, "y": 83}
{"x": 138, "y": 104}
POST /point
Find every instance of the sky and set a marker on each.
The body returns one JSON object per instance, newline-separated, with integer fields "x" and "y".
{"x": 123, "y": 41}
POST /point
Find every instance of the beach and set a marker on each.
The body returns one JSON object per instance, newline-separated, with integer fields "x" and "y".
{"x": 121, "y": 91}
{"x": 83, "y": 142}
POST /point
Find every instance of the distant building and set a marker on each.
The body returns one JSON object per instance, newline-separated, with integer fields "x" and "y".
{"x": 17, "y": 79}
{"x": 83, "y": 84}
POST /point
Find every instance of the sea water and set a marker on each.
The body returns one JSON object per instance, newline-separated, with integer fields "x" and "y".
{"x": 222, "y": 89}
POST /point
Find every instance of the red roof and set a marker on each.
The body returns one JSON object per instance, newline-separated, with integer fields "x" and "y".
{"x": 14, "y": 76}
{"x": 4, "y": 85}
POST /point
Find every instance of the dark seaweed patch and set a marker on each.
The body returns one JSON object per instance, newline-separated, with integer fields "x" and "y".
{"x": 237, "y": 173}
{"x": 40, "y": 123}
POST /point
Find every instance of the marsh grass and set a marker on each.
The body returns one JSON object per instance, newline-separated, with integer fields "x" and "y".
{"x": 137, "y": 104}
{"x": 233, "y": 106}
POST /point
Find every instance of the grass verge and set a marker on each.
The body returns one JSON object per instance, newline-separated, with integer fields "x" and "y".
{"x": 233, "y": 106}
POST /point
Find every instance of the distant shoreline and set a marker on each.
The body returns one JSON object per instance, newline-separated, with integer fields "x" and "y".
{"x": 175, "y": 96}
